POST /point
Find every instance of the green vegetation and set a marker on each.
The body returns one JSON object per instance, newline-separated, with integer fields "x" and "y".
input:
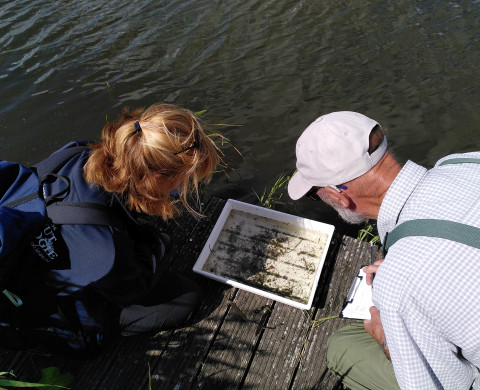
{"x": 149, "y": 378}
{"x": 51, "y": 380}
{"x": 272, "y": 197}
{"x": 320, "y": 320}
{"x": 368, "y": 233}
{"x": 220, "y": 141}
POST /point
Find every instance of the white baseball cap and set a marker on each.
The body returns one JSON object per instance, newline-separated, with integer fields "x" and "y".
{"x": 334, "y": 150}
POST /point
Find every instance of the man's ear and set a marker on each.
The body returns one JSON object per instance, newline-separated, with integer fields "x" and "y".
{"x": 339, "y": 198}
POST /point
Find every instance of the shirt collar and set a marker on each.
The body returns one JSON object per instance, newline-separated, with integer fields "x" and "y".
{"x": 397, "y": 196}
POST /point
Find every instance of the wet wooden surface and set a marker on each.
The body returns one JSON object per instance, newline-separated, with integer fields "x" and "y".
{"x": 275, "y": 347}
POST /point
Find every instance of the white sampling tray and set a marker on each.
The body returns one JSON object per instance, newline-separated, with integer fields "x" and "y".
{"x": 266, "y": 252}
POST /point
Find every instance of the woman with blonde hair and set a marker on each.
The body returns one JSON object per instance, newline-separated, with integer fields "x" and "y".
{"x": 104, "y": 273}
{"x": 148, "y": 153}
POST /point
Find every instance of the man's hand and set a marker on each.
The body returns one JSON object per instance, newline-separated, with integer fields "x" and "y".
{"x": 371, "y": 270}
{"x": 375, "y": 328}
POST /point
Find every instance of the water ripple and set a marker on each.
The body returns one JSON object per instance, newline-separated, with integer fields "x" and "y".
{"x": 272, "y": 66}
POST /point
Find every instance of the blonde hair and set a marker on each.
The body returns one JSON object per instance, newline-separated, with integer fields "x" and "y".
{"x": 143, "y": 164}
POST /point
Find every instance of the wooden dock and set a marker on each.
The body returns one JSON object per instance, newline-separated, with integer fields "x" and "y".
{"x": 279, "y": 347}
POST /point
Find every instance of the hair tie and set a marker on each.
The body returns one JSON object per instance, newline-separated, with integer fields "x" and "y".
{"x": 137, "y": 127}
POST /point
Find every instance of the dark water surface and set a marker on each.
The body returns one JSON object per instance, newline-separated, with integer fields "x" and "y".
{"x": 271, "y": 66}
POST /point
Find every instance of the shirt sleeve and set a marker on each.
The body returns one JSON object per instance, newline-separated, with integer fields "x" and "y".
{"x": 421, "y": 357}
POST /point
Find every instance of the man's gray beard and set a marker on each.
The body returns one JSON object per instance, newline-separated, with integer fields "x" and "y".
{"x": 347, "y": 215}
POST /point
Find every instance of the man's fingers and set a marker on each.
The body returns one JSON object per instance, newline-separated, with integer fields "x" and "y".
{"x": 371, "y": 269}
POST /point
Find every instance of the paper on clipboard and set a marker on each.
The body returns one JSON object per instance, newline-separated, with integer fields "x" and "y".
{"x": 359, "y": 299}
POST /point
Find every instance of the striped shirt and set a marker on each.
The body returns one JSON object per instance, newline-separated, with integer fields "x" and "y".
{"x": 428, "y": 289}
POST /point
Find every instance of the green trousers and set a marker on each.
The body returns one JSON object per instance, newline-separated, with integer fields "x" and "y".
{"x": 356, "y": 358}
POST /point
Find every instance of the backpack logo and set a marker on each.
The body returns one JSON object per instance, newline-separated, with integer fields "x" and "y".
{"x": 44, "y": 243}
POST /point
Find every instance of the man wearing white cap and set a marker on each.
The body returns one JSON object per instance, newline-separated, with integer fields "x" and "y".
{"x": 427, "y": 290}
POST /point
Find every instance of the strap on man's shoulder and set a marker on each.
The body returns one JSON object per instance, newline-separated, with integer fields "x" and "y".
{"x": 460, "y": 161}
{"x": 449, "y": 230}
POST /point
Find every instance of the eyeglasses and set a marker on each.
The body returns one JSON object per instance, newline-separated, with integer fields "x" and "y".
{"x": 312, "y": 193}
{"x": 195, "y": 144}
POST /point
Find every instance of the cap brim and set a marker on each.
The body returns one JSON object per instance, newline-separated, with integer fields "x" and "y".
{"x": 298, "y": 186}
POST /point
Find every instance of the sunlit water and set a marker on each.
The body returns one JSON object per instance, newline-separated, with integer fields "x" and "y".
{"x": 271, "y": 66}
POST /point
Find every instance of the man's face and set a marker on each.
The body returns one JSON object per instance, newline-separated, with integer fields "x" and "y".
{"x": 347, "y": 215}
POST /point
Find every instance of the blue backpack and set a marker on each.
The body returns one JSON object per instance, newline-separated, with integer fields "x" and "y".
{"x": 23, "y": 212}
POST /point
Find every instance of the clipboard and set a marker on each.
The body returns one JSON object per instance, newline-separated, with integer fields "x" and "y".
{"x": 359, "y": 299}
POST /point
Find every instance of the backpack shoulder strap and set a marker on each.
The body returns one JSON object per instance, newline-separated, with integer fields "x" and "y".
{"x": 82, "y": 213}
{"x": 52, "y": 163}
{"x": 74, "y": 213}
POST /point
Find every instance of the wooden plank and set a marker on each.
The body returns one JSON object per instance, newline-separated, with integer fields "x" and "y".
{"x": 194, "y": 238}
{"x": 234, "y": 345}
{"x": 26, "y": 365}
{"x": 276, "y": 359}
{"x": 125, "y": 362}
{"x": 130, "y": 365}
{"x": 284, "y": 344}
{"x": 179, "y": 365}
{"x": 12, "y": 360}
{"x": 312, "y": 372}
{"x": 219, "y": 348}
